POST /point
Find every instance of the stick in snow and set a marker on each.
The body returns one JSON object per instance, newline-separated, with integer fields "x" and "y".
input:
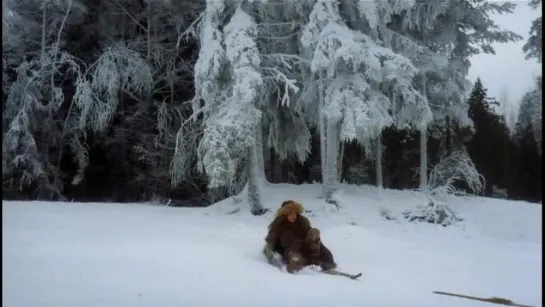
{"x": 335, "y": 272}
{"x": 493, "y": 300}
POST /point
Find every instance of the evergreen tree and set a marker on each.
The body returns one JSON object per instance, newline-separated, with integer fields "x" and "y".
{"x": 488, "y": 139}
{"x": 532, "y": 47}
{"x": 527, "y": 176}
{"x": 528, "y": 142}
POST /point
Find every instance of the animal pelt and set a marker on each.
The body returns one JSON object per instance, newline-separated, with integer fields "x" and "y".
{"x": 312, "y": 251}
{"x": 290, "y": 206}
{"x": 298, "y": 243}
{"x": 282, "y": 233}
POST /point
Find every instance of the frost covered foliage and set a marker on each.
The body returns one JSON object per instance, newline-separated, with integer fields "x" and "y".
{"x": 358, "y": 69}
{"x": 286, "y": 119}
{"x": 362, "y": 77}
{"x": 434, "y": 212}
{"x": 17, "y": 32}
{"x": 117, "y": 70}
{"x": 211, "y": 66}
{"x": 533, "y": 46}
{"x": 357, "y": 173}
{"x": 453, "y": 170}
{"x": 230, "y": 88}
{"x": 452, "y": 32}
{"x": 31, "y": 109}
{"x": 21, "y": 158}
{"x": 289, "y": 133}
{"x": 530, "y": 112}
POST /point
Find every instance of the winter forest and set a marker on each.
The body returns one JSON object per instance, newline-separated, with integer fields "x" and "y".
{"x": 190, "y": 102}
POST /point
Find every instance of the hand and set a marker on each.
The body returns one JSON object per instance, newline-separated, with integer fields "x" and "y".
{"x": 327, "y": 266}
{"x": 268, "y": 251}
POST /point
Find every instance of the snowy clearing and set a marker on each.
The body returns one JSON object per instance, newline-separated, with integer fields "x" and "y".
{"x": 72, "y": 254}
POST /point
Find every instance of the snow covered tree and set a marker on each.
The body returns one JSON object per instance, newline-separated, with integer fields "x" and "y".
{"x": 533, "y": 46}
{"x": 229, "y": 82}
{"x": 530, "y": 113}
{"x": 37, "y": 95}
{"x": 489, "y": 138}
{"x": 527, "y": 182}
{"x": 455, "y": 31}
{"x": 354, "y": 105}
{"x": 530, "y": 107}
{"x": 286, "y": 120}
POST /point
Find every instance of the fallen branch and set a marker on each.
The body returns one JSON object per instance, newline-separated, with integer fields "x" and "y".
{"x": 493, "y": 300}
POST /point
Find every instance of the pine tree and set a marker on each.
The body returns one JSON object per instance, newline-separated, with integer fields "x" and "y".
{"x": 489, "y": 137}
{"x": 532, "y": 47}
{"x": 527, "y": 183}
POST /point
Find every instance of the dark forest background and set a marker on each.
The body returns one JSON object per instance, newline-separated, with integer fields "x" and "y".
{"x": 125, "y": 163}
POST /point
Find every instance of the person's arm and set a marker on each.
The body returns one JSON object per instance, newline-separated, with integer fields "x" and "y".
{"x": 271, "y": 238}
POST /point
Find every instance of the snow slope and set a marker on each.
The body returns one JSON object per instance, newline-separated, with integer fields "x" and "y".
{"x": 96, "y": 254}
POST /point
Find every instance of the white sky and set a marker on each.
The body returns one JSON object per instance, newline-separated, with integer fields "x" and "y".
{"x": 508, "y": 69}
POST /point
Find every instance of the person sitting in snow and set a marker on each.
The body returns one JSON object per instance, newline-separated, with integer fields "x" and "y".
{"x": 291, "y": 236}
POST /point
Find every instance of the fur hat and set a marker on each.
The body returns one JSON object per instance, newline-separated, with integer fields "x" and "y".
{"x": 290, "y": 206}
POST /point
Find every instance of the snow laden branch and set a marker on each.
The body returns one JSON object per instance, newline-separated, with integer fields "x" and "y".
{"x": 211, "y": 88}
{"x": 452, "y": 170}
{"x": 20, "y": 155}
{"x": 26, "y": 139}
{"x": 247, "y": 89}
{"x": 531, "y": 114}
{"x": 224, "y": 143}
{"x": 279, "y": 77}
{"x": 361, "y": 110}
{"x": 211, "y": 66}
{"x": 117, "y": 70}
{"x": 233, "y": 89}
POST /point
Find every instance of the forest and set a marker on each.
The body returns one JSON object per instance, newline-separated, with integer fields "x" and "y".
{"x": 190, "y": 102}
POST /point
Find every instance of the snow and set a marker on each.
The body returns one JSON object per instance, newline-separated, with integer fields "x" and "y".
{"x": 99, "y": 254}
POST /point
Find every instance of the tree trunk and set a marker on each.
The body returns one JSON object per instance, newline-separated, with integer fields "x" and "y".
{"x": 323, "y": 132}
{"x": 330, "y": 182}
{"x": 423, "y": 146}
{"x": 340, "y": 166}
{"x": 423, "y": 158}
{"x": 259, "y": 152}
{"x": 254, "y": 181}
{"x": 378, "y": 163}
{"x": 448, "y": 136}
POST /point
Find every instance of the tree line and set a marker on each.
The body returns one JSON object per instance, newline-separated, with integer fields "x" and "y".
{"x": 192, "y": 101}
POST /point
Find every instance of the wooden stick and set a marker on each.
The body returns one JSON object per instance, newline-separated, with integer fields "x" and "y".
{"x": 493, "y": 300}
{"x": 335, "y": 272}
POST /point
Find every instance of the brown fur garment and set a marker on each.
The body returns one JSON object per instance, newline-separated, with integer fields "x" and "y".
{"x": 313, "y": 251}
{"x": 298, "y": 238}
{"x": 282, "y": 234}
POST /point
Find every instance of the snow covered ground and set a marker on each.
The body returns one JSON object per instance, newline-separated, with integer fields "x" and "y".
{"x": 95, "y": 254}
